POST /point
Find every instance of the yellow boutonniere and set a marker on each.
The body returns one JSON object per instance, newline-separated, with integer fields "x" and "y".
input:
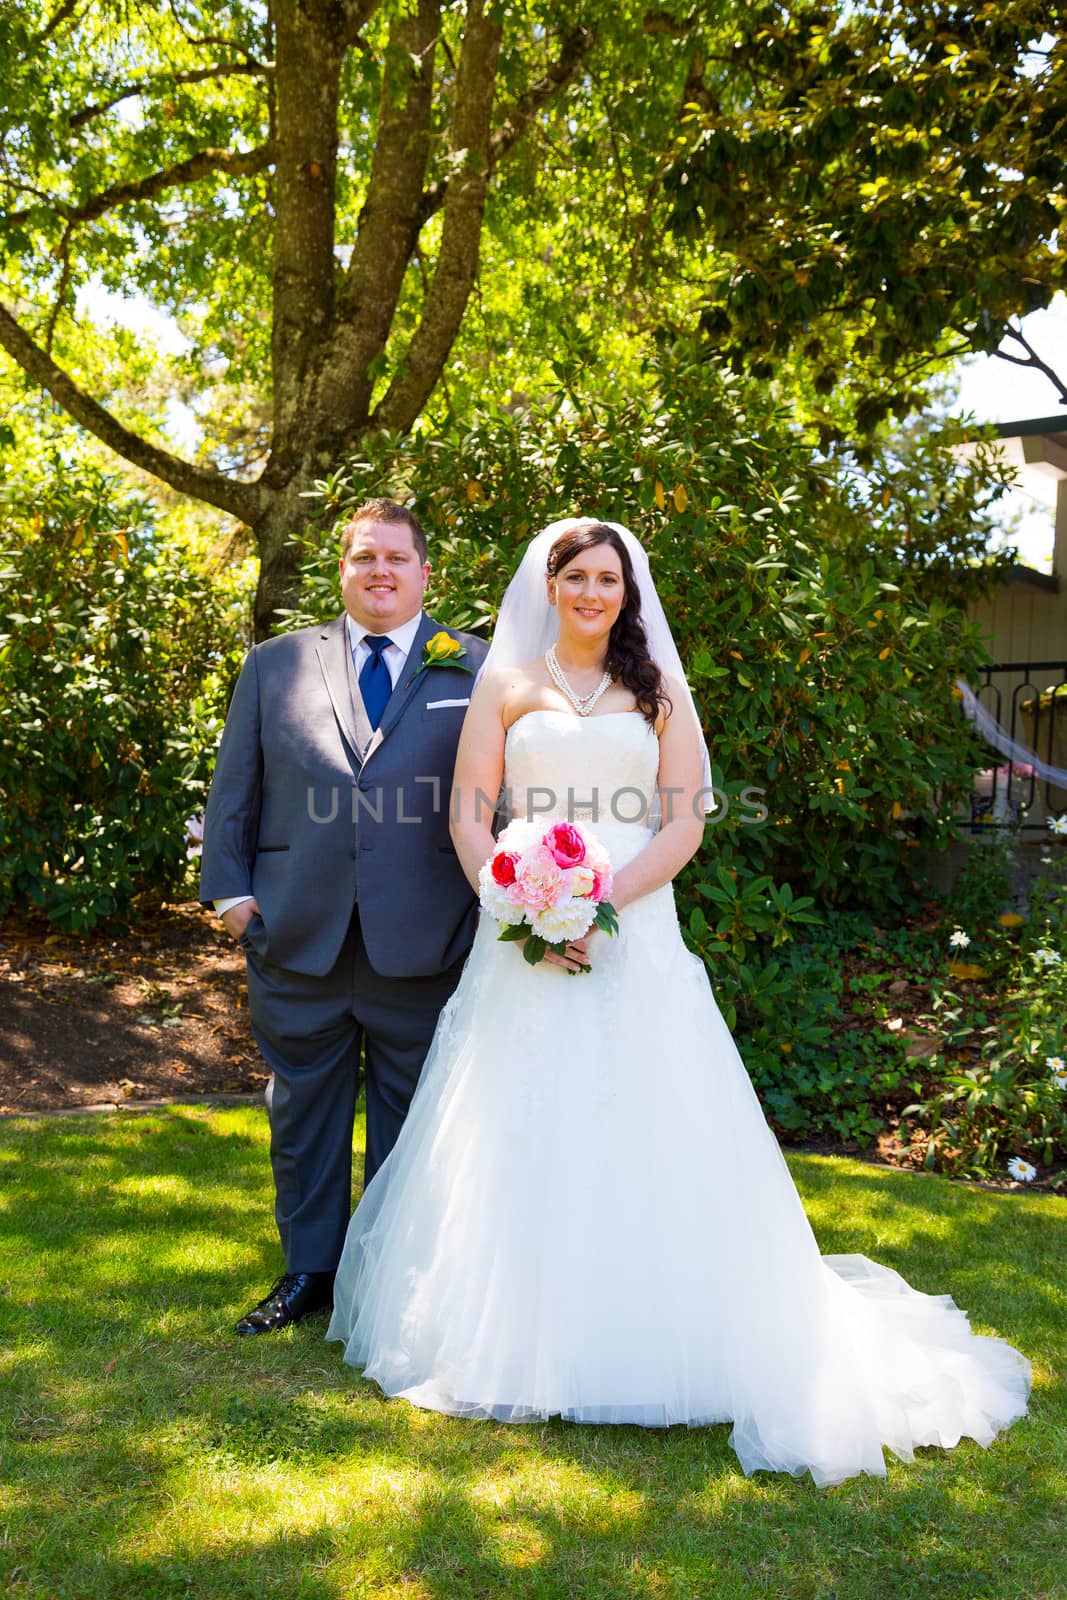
{"x": 442, "y": 651}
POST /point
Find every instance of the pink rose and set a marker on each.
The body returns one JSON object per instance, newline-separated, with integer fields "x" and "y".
{"x": 598, "y": 859}
{"x": 539, "y": 879}
{"x": 503, "y": 867}
{"x": 603, "y": 883}
{"x": 566, "y": 845}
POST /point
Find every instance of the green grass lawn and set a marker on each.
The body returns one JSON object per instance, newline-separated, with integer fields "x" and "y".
{"x": 148, "y": 1452}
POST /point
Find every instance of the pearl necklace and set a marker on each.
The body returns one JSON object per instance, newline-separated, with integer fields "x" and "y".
{"x": 582, "y": 703}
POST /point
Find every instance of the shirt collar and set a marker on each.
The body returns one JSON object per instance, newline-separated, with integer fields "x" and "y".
{"x": 402, "y": 636}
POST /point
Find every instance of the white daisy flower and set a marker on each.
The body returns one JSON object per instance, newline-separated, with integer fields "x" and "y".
{"x": 1047, "y": 957}
{"x": 1059, "y": 1080}
{"x": 959, "y": 940}
{"x": 1055, "y": 1064}
{"x": 1046, "y": 861}
{"x": 1021, "y": 1170}
{"x": 1058, "y": 824}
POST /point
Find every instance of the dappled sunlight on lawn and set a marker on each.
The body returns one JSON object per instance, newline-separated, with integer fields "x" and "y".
{"x": 155, "y": 1455}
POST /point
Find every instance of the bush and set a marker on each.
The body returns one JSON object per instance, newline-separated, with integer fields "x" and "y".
{"x": 997, "y": 1086}
{"x": 115, "y": 655}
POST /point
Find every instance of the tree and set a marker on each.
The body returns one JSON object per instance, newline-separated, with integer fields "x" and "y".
{"x": 352, "y": 143}
{"x": 354, "y": 206}
{"x": 885, "y": 186}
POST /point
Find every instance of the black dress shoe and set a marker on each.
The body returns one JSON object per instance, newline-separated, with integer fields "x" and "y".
{"x": 293, "y": 1296}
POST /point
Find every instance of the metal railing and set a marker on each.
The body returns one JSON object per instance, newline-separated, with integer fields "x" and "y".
{"x": 1032, "y": 710}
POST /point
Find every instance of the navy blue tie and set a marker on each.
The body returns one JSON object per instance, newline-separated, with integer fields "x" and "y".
{"x": 375, "y": 684}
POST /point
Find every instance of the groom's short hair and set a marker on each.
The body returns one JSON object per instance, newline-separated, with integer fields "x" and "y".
{"x": 384, "y": 510}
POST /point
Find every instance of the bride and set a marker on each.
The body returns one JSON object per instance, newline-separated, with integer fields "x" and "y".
{"x": 586, "y": 1214}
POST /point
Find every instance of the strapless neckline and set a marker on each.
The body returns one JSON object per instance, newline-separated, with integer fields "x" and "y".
{"x": 572, "y": 716}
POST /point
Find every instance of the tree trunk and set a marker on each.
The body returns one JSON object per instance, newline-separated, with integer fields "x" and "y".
{"x": 285, "y": 517}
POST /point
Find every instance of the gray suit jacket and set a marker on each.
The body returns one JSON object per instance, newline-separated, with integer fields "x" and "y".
{"x": 310, "y": 811}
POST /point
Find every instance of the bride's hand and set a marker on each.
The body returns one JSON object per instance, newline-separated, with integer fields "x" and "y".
{"x": 576, "y": 956}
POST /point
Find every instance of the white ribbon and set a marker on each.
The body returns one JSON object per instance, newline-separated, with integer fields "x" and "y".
{"x": 993, "y": 734}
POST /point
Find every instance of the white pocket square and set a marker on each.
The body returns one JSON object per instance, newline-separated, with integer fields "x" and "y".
{"x": 438, "y": 705}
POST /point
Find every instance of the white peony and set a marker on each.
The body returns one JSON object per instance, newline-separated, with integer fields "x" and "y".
{"x": 495, "y": 900}
{"x": 1021, "y": 1170}
{"x": 520, "y": 835}
{"x": 567, "y": 921}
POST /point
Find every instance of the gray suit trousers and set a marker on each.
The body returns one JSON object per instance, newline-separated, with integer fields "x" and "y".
{"x": 310, "y": 1030}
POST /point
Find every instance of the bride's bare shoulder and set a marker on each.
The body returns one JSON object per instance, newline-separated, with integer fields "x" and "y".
{"x": 514, "y": 690}
{"x": 507, "y": 692}
{"x": 676, "y": 703}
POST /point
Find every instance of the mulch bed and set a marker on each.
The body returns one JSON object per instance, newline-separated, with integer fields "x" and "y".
{"x": 159, "y": 1013}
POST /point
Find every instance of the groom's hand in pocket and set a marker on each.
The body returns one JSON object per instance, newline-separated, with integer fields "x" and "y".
{"x": 237, "y": 918}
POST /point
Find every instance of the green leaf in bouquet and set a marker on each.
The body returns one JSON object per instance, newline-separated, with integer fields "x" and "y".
{"x": 513, "y": 931}
{"x": 534, "y": 949}
{"x": 607, "y": 918}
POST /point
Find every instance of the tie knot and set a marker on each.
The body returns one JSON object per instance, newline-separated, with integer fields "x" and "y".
{"x": 376, "y": 643}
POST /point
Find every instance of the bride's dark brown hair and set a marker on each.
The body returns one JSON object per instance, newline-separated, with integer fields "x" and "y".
{"x": 628, "y": 659}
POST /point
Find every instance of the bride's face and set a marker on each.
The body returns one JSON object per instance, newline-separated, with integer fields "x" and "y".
{"x": 589, "y": 592}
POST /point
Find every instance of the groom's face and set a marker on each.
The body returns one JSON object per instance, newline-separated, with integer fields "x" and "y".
{"x": 382, "y": 579}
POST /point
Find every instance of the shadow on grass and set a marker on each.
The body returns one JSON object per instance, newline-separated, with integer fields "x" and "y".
{"x": 460, "y": 1510}
{"x": 153, "y": 1454}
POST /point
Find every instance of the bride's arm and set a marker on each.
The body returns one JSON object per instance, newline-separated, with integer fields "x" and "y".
{"x": 681, "y": 779}
{"x": 478, "y": 774}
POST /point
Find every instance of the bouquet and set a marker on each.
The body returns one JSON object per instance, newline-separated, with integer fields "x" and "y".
{"x": 547, "y": 885}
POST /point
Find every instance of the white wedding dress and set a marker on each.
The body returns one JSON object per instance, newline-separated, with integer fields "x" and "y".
{"x": 586, "y": 1214}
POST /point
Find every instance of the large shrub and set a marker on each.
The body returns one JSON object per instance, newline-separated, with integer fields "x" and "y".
{"x": 114, "y": 662}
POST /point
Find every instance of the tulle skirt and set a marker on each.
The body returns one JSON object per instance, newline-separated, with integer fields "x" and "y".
{"x": 586, "y": 1216}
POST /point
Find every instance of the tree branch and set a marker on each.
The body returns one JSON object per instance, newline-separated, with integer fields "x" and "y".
{"x": 242, "y": 500}
{"x": 1032, "y": 359}
{"x": 200, "y": 40}
{"x": 224, "y": 69}
{"x": 62, "y": 254}
{"x": 235, "y": 163}
{"x": 65, "y": 11}
{"x": 389, "y": 222}
{"x": 518, "y": 116}
{"x": 663, "y": 22}
{"x": 457, "y": 260}
{"x": 355, "y": 14}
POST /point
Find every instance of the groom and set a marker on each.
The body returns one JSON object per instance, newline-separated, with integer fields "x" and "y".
{"x": 327, "y": 855}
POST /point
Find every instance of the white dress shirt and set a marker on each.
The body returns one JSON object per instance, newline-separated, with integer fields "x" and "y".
{"x": 395, "y": 655}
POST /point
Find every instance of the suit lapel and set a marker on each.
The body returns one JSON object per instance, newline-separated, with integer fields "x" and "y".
{"x": 364, "y": 732}
{"x": 331, "y": 651}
